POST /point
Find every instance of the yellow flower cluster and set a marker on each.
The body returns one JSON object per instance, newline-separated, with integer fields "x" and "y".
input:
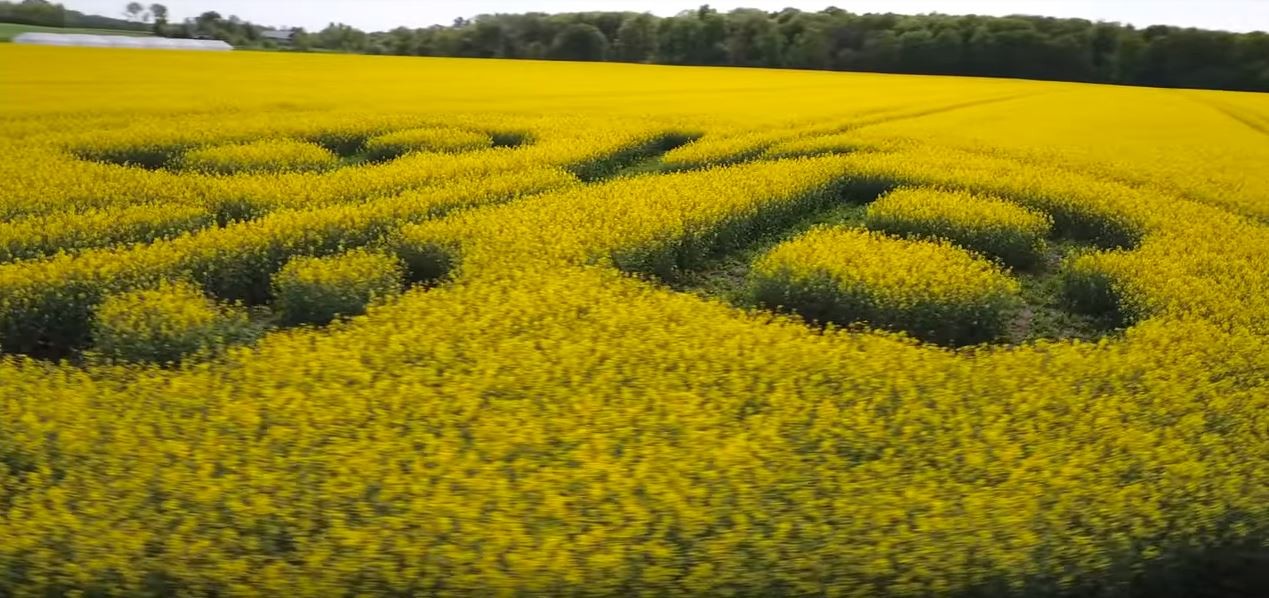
{"x": 39, "y": 236}
{"x": 393, "y": 145}
{"x": 164, "y": 324}
{"x": 540, "y": 421}
{"x": 992, "y": 226}
{"x": 270, "y": 155}
{"x": 316, "y": 290}
{"x": 932, "y": 290}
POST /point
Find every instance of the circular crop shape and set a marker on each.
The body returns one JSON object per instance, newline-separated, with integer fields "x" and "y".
{"x": 933, "y": 290}
{"x": 274, "y": 155}
{"x": 394, "y": 145}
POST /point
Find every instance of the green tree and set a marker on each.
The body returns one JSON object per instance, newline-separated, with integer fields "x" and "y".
{"x": 208, "y": 23}
{"x": 880, "y": 51}
{"x": 160, "y": 18}
{"x": 301, "y": 40}
{"x": 678, "y": 40}
{"x": 1105, "y": 41}
{"x": 489, "y": 39}
{"x": 341, "y": 37}
{"x": 712, "y": 48}
{"x": 400, "y": 41}
{"x": 752, "y": 39}
{"x": 810, "y": 49}
{"x": 134, "y": 11}
{"x": 580, "y": 41}
{"x": 33, "y": 12}
{"x": 637, "y": 38}
{"x": 917, "y": 52}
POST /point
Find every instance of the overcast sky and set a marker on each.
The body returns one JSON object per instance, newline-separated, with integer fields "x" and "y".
{"x": 1233, "y": 15}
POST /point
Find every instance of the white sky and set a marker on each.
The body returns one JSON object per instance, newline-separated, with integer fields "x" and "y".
{"x": 375, "y": 15}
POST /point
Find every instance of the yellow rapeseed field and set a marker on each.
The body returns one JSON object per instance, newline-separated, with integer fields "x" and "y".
{"x": 565, "y": 382}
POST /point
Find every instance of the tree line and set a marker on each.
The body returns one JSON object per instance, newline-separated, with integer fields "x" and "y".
{"x": 47, "y": 14}
{"x": 831, "y": 39}
{"x": 834, "y": 39}
{"x": 137, "y": 16}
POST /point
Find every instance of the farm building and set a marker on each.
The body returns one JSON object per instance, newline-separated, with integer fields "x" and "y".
{"x": 284, "y": 38}
{"x": 119, "y": 41}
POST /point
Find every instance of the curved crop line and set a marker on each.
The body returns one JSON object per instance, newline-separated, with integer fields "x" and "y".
{"x": 1252, "y": 122}
{"x": 622, "y": 159}
{"x": 755, "y": 150}
{"x": 1107, "y": 172}
{"x": 936, "y": 110}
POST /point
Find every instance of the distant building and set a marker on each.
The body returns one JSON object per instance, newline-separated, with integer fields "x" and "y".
{"x": 119, "y": 41}
{"x": 284, "y": 38}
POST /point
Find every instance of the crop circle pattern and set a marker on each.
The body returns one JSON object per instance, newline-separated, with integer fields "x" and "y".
{"x": 552, "y": 409}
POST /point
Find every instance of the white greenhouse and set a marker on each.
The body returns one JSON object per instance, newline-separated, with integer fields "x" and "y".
{"x": 120, "y": 41}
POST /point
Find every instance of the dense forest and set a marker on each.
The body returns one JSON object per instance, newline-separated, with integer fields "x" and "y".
{"x": 1021, "y": 46}
{"x": 831, "y": 39}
